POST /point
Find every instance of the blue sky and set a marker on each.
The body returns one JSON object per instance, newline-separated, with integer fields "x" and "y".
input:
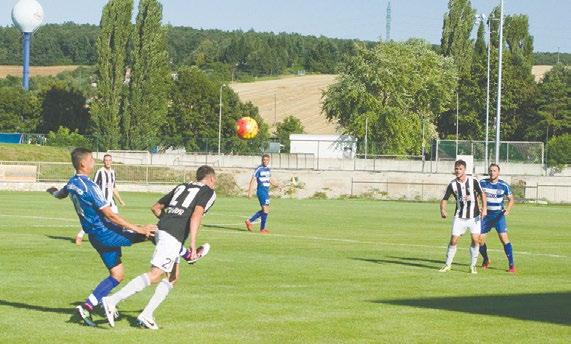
{"x": 364, "y": 19}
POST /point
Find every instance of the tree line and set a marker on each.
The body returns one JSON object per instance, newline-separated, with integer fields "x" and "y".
{"x": 153, "y": 85}
{"x": 235, "y": 54}
{"x": 406, "y": 94}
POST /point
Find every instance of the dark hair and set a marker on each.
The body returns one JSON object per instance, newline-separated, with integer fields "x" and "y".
{"x": 204, "y": 171}
{"x": 494, "y": 164}
{"x": 460, "y": 162}
{"x": 266, "y": 155}
{"x": 77, "y": 155}
{"x": 106, "y": 155}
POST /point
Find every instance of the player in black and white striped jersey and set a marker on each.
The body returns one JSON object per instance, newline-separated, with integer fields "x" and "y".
{"x": 105, "y": 178}
{"x": 466, "y": 190}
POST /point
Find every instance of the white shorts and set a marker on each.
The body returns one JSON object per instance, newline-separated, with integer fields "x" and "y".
{"x": 167, "y": 251}
{"x": 459, "y": 226}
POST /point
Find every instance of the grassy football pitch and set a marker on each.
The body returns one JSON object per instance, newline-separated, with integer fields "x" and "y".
{"x": 331, "y": 271}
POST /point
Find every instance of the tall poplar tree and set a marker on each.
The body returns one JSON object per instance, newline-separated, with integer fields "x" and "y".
{"x": 455, "y": 42}
{"x": 112, "y": 46}
{"x": 145, "y": 112}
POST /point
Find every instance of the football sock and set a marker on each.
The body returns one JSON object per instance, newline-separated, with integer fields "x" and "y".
{"x": 134, "y": 286}
{"x": 474, "y": 255}
{"x": 484, "y": 252}
{"x": 161, "y": 293}
{"x": 256, "y": 216}
{"x": 183, "y": 252}
{"x": 103, "y": 289}
{"x": 450, "y": 254}
{"x": 509, "y": 254}
{"x": 264, "y": 219}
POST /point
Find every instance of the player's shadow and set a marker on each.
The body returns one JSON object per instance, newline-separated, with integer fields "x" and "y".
{"x": 544, "y": 307}
{"x": 55, "y": 237}
{"x": 224, "y": 227}
{"x": 408, "y": 261}
{"x": 67, "y": 310}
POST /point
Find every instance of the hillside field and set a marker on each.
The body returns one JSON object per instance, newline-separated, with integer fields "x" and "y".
{"x": 330, "y": 271}
{"x": 34, "y": 70}
{"x": 299, "y": 96}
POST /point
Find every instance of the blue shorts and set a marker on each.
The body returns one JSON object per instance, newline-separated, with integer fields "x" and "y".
{"x": 263, "y": 197}
{"x": 108, "y": 242}
{"x": 494, "y": 219}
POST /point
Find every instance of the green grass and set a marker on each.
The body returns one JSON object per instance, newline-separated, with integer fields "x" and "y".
{"x": 13, "y": 152}
{"x": 331, "y": 271}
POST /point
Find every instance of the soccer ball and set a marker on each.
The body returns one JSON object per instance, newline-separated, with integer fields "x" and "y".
{"x": 246, "y": 128}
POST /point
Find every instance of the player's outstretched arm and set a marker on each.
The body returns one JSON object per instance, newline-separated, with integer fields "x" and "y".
{"x": 57, "y": 193}
{"x": 118, "y": 196}
{"x": 157, "y": 209}
{"x": 147, "y": 230}
{"x": 275, "y": 183}
{"x": 443, "y": 204}
{"x": 511, "y": 202}
{"x": 195, "y": 220}
{"x": 251, "y": 186}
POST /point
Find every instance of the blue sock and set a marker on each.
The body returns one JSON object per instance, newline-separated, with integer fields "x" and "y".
{"x": 484, "y": 252}
{"x": 264, "y": 218}
{"x": 509, "y": 254}
{"x": 103, "y": 289}
{"x": 256, "y": 216}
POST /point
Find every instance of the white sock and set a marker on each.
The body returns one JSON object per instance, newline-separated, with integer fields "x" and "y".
{"x": 474, "y": 251}
{"x": 81, "y": 233}
{"x": 450, "y": 254}
{"x": 159, "y": 296}
{"x": 134, "y": 286}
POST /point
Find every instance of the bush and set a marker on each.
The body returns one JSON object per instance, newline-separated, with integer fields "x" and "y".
{"x": 67, "y": 138}
{"x": 226, "y": 185}
{"x": 559, "y": 151}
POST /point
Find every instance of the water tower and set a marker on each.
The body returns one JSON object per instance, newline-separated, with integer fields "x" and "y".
{"x": 27, "y": 15}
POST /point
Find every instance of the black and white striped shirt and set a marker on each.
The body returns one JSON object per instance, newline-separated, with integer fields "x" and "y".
{"x": 105, "y": 178}
{"x": 466, "y": 195}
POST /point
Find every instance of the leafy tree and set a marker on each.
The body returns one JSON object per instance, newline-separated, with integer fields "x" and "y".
{"x": 64, "y": 137}
{"x": 290, "y": 125}
{"x": 150, "y": 80}
{"x": 553, "y": 105}
{"x": 111, "y": 49}
{"x": 399, "y": 87}
{"x": 64, "y": 106}
{"x": 559, "y": 150}
{"x": 19, "y": 110}
{"x": 455, "y": 42}
{"x": 193, "y": 115}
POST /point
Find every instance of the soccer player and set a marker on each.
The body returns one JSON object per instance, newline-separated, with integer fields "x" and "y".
{"x": 108, "y": 231}
{"x": 262, "y": 176}
{"x": 466, "y": 190}
{"x": 180, "y": 213}
{"x": 496, "y": 190}
{"x": 105, "y": 178}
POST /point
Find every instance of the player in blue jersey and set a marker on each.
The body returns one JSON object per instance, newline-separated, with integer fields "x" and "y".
{"x": 262, "y": 176}
{"x": 108, "y": 231}
{"x": 496, "y": 191}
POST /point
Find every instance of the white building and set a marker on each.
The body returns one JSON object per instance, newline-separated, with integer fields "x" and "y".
{"x": 324, "y": 146}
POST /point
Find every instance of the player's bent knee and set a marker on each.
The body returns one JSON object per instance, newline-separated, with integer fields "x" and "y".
{"x": 155, "y": 275}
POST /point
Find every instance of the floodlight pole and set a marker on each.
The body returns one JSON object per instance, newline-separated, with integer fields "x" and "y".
{"x": 499, "y": 105}
{"x": 488, "y": 93}
{"x": 366, "y": 135}
{"x": 457, "y": 105}
{"x": 220, "y": 119}
{"x": 26, "y": 67}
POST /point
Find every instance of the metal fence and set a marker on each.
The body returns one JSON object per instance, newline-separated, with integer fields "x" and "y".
{"x": 424, "y": 191}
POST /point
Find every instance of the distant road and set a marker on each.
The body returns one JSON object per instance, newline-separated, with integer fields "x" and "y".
{"x": 299, "y": 96}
